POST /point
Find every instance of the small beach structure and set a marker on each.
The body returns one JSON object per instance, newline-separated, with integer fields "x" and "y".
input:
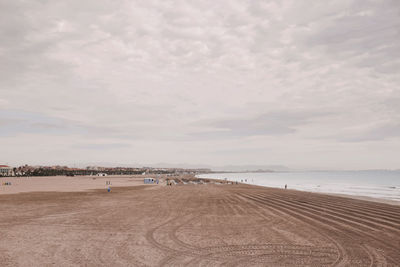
{"x": 148, "y": 180}
{"x": 102, "y": 174}
{"x": 6, "y": 170}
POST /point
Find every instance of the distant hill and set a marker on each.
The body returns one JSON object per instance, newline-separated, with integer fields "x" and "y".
{"x": 251, "y": 168}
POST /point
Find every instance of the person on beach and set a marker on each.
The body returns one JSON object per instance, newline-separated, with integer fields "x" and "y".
{"x": 285, "y": 186}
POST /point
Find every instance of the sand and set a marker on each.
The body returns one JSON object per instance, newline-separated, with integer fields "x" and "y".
{"x": 193, "y": 225}
{"x": 65, "y": 183}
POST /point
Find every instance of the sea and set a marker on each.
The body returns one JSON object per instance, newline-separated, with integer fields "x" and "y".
{"x": 383, "y": 184}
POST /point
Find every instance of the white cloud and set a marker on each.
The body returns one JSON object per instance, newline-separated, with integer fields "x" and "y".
{"x": 150, "y": 74}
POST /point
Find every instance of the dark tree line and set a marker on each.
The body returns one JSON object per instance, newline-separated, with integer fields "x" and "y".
{"x": 62, "y": 172}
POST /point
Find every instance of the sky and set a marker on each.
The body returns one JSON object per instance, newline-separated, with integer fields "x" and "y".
{"x": 305, "y": 84}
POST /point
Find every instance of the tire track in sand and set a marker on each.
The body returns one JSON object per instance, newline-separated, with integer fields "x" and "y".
{"x": 340, "y": 228}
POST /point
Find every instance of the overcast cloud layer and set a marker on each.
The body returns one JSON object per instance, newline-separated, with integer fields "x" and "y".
{"x": 307, "y": 84}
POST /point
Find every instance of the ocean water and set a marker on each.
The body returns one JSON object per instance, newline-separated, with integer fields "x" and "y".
{"x": 378, "y": 184}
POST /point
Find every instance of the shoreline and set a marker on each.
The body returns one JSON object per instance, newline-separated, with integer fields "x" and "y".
{"x": 87, "y": 183}
{"x": 353, "y": 196}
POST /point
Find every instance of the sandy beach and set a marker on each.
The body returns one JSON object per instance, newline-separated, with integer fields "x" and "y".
{"x": 65, "y": 184}
{"x": 74, "y": 221}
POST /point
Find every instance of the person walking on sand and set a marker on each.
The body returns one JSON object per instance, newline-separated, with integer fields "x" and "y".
{"x": 285, "y": 186}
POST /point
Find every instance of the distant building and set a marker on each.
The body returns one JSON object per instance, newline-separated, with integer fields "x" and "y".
{"x": 6, "y": 170}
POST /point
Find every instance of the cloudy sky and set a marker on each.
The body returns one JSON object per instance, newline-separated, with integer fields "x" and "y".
{"x": 306, "y": 84}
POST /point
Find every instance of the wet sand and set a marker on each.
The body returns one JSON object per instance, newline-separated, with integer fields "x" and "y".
{"x": 195, "y": 225}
